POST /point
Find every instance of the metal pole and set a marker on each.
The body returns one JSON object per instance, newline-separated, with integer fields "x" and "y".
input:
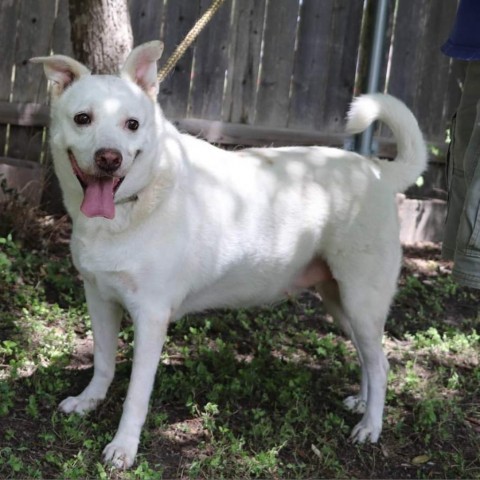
{"x": 374, "y": 67}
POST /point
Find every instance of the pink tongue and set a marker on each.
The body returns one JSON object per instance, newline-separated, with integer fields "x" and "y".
{"x": 98, "y": 198}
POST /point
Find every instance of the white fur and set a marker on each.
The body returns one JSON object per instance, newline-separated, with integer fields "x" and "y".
{"x": 213, "y": 228}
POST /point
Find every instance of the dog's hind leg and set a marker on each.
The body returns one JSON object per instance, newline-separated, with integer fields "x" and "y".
{"x": 366, "y": 304}
{"x": 331, "y": 299}
{"x": 106, "y": 317}
{"x": 361, "y": 309}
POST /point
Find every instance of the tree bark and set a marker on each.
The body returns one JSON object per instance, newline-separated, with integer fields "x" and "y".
{"x": 101, "y": 33}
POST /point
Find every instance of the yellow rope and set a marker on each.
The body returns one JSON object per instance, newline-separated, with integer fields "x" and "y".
{"x": 188, "y": 40}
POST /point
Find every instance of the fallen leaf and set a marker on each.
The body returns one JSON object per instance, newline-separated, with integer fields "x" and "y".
{"x": 420, "y": 460}
{"x": 316, "y": 451}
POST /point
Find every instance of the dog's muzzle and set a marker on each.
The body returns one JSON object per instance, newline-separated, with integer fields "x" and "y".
{"x": 99, "y": 189}
{"x": 108, "y": 160}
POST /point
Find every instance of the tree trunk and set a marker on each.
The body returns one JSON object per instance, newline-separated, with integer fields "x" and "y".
{"x": 101, "y": 33}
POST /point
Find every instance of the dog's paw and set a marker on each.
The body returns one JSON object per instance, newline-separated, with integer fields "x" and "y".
{"x": 365, "y": 431}
{"x": 120, "y": 453}
{"x": 80, "y": 405}
{"x": 355, "y": 404}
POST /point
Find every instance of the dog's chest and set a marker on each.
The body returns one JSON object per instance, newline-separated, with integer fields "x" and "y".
{"x": 106, "y": 266}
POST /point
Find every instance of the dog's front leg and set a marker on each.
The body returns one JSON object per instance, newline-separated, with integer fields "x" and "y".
{"x": 106, "y": 317}
{"x": 150, "y": 333}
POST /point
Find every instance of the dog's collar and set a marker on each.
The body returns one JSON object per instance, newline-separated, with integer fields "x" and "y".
{"x": 131, "y": 198}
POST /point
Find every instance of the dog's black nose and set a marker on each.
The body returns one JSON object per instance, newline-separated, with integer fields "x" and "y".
{"x": 108, "y": 159}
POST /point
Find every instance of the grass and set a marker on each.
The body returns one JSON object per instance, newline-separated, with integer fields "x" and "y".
{"x": 238, "y": 394}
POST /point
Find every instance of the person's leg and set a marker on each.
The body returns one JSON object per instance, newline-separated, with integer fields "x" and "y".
{"x": 466, "y": 270}
{"x": 462, "y": 129}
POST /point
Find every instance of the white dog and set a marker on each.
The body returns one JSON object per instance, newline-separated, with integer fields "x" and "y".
{"x": 165, "y": 224}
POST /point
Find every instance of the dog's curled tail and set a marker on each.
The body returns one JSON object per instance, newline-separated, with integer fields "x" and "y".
{"x": 411, "y": 159}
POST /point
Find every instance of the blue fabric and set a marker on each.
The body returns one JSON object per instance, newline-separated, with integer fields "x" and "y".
{"x": 464, "y": 41}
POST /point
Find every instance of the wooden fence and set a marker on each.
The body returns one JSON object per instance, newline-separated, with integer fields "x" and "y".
{"x": 262, "y": 72}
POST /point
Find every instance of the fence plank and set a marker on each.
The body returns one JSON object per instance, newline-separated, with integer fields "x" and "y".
{"x": 311, "y": 62}
{"x": 244, "y": 62}
{"x": 180, "y": 15}
{"x": 61, "y": 43}
{"x": 422, "y": 26}
{"x": 25, "y": 114}
{"x": 146, "y": 19}
{"x": 34, "y": 38}
{"x": 210, "y": 65}
{"x": 325, "y": 62}
{"x": 254, "y": 135}
{"x": 8, "y": 24}
{"x": 277, "y": 63}
{"x": 32, "y": 114}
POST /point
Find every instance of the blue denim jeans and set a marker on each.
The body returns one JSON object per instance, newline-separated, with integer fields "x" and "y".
{"x": 461, "y": 241}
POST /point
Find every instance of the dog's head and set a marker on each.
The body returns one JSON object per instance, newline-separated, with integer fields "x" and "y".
{"x": 105, "y": 129}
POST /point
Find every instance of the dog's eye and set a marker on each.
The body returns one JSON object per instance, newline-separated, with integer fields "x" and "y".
{"x": 132, "y": 124}
{"x": 82, "y": 119}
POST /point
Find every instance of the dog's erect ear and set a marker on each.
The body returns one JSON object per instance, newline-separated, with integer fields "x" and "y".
{"x": 61, "y": 70}
{"x": 141, "y": 66}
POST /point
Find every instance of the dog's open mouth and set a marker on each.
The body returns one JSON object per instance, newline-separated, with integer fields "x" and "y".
{"x": 98, "y": 191}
